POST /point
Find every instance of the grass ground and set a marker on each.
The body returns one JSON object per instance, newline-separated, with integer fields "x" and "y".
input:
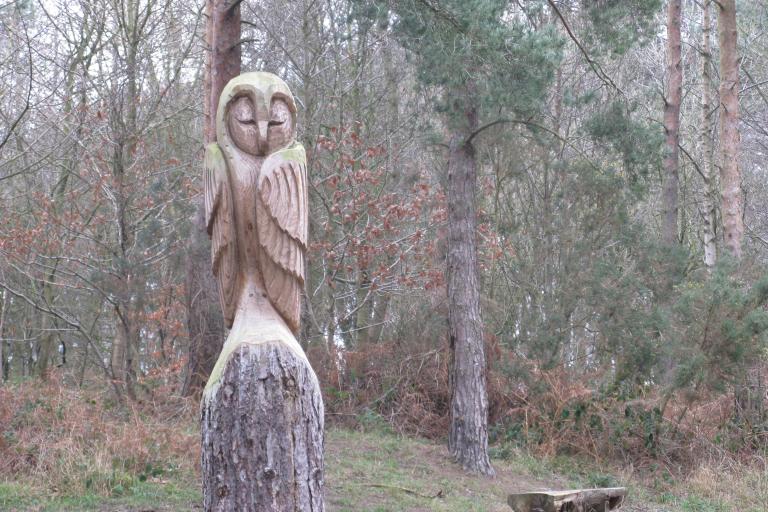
{"x": 377, "y": 471}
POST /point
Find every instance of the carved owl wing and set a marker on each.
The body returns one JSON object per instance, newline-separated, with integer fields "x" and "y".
{"x": 220, "y": 223}
{"x": 282, "y": 224}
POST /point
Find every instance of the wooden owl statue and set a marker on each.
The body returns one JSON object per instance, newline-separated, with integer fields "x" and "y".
{"x": 262, "y": 412}
{"x": 256, "y": 205}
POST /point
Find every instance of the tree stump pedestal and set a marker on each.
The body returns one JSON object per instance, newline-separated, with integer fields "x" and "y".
{"x": 262, "y": 429}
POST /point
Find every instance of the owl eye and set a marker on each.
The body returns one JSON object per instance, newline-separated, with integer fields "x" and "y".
{"x": 242, "y": 110}
{"x": 276, "y": 122}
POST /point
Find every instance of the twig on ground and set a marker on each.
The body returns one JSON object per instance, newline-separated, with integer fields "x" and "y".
{"x": 439, "y": 493}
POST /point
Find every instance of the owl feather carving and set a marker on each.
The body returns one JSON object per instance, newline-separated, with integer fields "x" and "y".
{"x": 256, "y": 198}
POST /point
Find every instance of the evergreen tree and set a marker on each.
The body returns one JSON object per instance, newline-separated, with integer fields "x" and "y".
{"x": 488, "y": 68}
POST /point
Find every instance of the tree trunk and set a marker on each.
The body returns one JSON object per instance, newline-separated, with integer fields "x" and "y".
{"x": 205, "y": 321}
{"x": 730, "y": 175}
{"x": 223, "y": 60}
{"x": 672, "y": 123}
{"x": 126, "y": 132}
{"x": 746, "y": 392}
{"x": 468, "y": 435}
{"x": 263, "y": 433}
{"x": 122, "y": 359}
{"x": 364, "y": 305}
{"x": 81, "y": 379}
{"x": 4, "y": 345}
{"x": 117, "y": 357}
{"x": 379, "y": 317}
{"x": 46, "y": 344}
{"x": 708, "y": 202}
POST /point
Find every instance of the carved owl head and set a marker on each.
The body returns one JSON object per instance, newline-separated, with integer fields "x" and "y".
{"x": 256, "y": 114}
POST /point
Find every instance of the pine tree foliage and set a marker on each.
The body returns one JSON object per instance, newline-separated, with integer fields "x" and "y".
{"x": 616, "y": 26}
{"x": 480, "y": 41}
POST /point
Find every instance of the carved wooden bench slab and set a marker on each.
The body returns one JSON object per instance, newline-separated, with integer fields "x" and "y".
{"x": 577, "y": 500}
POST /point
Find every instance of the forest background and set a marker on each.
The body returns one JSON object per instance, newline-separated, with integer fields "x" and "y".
{"x": 621, "y": 256}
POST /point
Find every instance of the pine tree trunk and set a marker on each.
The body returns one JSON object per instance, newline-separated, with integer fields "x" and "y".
{"x": 223, "y": 59}
{"x": 468, "y": 435}
{"x": 709, "y": 197}
{"x": 730, "y": 175}
{"x": 205, "y": 321}
{"x": 263, "y": 433}
{"x": 672, "y": 123}
{"x": 746, "y": 393}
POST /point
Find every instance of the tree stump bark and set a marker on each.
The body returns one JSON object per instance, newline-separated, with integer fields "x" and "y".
{"x": 262, "y": 429}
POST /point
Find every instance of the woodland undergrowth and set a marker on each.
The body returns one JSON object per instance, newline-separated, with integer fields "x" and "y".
{"x": 72, "y": 441}
{"x": 546, "y": 412}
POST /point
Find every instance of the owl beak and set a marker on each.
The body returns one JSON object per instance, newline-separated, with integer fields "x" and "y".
{"x": 263, "y": 145}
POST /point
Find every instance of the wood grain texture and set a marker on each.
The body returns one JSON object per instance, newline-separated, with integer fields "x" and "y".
{"x": 220, "y": 224}
{"x": 256, "y": 197}
{"x": 263, "y": 434}
{"x": 577, "y": 500}
{"x": 282, "y": 229}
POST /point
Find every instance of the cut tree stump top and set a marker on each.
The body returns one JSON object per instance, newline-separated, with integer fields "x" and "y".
{"x": 577, "y": 500}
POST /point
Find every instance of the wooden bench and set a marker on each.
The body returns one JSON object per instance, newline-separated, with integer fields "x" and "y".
{"x": 577, "y": 500}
